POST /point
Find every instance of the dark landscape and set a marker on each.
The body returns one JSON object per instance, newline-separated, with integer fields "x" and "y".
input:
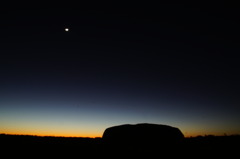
{"x": 189, "y": 147}
{"x": 79, "y": 70}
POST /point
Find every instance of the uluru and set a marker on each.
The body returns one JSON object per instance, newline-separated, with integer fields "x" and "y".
{"x": 142, "y": 136}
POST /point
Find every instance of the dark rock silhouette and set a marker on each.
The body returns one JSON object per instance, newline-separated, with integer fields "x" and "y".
{"x": 59, "y": 147}
{"x": 143, "y": 137}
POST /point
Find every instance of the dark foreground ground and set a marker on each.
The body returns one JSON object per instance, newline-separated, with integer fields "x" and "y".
{"x": 13, "y": 146}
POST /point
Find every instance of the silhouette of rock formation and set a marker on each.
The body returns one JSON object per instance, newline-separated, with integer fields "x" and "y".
{"x": 142, "y": 137}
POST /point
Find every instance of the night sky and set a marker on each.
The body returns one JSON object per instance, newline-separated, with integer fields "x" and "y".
{"x": 170, "y": 64}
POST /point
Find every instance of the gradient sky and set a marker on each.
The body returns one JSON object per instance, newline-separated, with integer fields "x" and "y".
{"x": 172, "y": 64}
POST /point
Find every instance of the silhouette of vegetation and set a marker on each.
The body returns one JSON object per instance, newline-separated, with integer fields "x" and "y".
{"x": 28, "y": 145}
{"x": 190, "y": 147}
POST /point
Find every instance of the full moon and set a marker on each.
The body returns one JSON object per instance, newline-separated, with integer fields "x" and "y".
{"x": 66, "y": 29}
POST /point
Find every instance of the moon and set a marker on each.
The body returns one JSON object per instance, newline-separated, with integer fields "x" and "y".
{"x": 66, "y": 29}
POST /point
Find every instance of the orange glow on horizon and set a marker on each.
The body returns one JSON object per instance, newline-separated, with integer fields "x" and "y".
{"x": 57, "y": 135}
{"x": 91, "y": 135}
{"x": 96, "y": 132}
{"x": 52, "y": 134}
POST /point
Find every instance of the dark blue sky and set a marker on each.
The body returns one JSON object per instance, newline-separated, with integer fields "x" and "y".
{"x": 171, "y": 64}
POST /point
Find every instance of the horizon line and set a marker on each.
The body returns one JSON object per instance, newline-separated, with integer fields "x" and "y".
{"x": 58, "y": 136}
{"x": 13, "y": 134}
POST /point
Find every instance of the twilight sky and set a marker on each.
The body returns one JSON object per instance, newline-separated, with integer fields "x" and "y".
{"x": 170, "y": 64}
